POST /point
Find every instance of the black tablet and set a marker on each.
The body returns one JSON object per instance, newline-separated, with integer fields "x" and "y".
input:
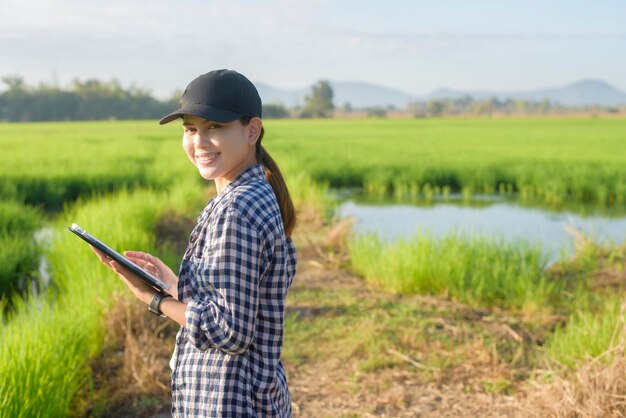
{"x": 111, "y": 253}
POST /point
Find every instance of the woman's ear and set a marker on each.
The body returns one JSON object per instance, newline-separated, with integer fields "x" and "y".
{"x": 254, "y": 130}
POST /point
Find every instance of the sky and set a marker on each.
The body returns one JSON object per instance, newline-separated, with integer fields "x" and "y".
{"x": 414, "y": 46}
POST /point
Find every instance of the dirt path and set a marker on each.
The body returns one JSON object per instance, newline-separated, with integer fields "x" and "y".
{"x": 336, "y": 387}
{"x": 350, "y": 350}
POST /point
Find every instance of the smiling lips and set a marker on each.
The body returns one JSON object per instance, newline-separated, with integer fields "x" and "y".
{"x": 206, "y": 157}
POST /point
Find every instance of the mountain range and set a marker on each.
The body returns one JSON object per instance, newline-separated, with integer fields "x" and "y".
{"x": 361, "y": 95}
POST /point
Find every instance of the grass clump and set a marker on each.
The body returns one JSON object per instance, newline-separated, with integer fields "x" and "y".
{"x": 476, "y": 270}
{"x": 596, "y": 313}
{"x": 589, "y": 332}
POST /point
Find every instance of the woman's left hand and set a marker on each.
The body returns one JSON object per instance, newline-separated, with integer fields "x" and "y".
{"x": 142, "y": 291}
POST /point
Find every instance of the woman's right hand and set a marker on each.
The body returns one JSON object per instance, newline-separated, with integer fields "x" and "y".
{"x": 156, "y": 267}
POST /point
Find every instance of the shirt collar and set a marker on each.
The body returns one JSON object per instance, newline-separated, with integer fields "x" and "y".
{"x": 253, "y": 172}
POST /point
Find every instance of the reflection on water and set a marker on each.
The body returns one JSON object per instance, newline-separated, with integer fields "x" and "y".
{"x": 487, "y": 215}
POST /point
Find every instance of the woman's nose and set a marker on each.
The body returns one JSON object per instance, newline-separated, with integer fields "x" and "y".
{"x": 200, "y": 138}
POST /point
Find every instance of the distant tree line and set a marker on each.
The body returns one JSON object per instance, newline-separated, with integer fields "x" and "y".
{"x": 466, "y": 105}
{"x": 319, "y": 104}
{"x": 84, "y": 100}
{"x": 99, "y": 100}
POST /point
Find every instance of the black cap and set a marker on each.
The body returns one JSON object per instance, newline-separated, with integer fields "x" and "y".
{"x": 220, "y": 96}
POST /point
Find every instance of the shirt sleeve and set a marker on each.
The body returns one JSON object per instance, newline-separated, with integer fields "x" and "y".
{"x": 222, "y": 310}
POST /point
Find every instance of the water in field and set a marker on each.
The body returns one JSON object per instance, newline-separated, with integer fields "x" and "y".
{"x": 486, "y": 215}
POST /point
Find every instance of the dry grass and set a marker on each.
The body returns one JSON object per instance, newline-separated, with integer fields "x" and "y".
{"x": 172, "y": 229}
{"x": 131, "y": 377}
{"x": 596, "y": 389}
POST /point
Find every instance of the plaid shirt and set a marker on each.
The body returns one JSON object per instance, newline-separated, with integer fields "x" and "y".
{"x": 234, "y": 277}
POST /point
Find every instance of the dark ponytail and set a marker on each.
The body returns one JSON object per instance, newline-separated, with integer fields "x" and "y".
{"x": 275, "y": 179}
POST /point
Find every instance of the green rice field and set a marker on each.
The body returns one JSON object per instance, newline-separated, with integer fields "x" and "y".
{"x": 118, "y": 179}
{"x": 546, "y": 160}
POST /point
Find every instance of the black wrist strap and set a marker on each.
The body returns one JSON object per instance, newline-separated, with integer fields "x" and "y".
{"x": 155, "y": 303}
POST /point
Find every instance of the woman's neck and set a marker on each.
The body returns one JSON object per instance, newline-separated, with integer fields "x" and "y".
{"x": 222, "y": 182}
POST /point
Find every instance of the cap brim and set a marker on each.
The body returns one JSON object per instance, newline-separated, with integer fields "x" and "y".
{"x": 204, "y": 111}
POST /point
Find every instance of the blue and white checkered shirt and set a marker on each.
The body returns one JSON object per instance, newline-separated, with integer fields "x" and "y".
{"x": 234, "y": 276}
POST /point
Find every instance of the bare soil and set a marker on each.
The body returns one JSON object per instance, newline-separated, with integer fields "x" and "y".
{"x": 336, "y": 387}
{"x": 350, "y": 350}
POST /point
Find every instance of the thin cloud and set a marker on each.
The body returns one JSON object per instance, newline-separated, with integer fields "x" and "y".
{"x": 277, "y": 41}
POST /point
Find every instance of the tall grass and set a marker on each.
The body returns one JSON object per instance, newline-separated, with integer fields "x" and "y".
{"x": 51, "y": 164}
{"x": 43, "y": 356}
{"x": 477, "y": 270}
{"x": 309, "y": 195}
{"x": 19, "y": 253}
{"x": 47, "y": 342}
{"x": 543, "y": 160}
{"x": 19, "y": 257}
{"x": 17, "y": 218}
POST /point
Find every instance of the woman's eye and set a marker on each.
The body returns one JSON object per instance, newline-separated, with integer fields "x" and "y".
{"x": 192, "y": 131}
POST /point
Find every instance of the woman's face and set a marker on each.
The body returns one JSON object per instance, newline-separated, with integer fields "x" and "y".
{"x": 220, "y": 151}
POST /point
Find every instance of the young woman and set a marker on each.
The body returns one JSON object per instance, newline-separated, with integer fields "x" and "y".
{"x": 229, "y": 295}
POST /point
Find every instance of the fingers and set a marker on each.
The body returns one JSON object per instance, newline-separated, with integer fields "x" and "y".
{"x": 115, "y": 267}
{"x": 123, "y": 273}
{"x": 129, "y": 278}
{"x": 96, "y": 251}
{"x": 146, "y": 265}
{"x": 143, "y": 291}
{"x": 146, "y": 257}
{"x": 137, "y": 257}
{"x": 139, "y": 254}
{"x": 120, "y": 269}
{"x": 103, "y": 257}
{"x": 140, "y": 262}
{"x": 151, "y": 268}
